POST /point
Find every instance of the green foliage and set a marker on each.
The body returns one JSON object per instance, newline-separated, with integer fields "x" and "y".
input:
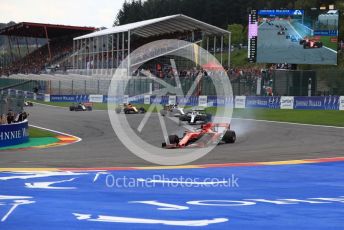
{"x": 237, "y": 33}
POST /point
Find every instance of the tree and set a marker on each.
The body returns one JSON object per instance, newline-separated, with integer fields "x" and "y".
{"x": 237, "y": 34}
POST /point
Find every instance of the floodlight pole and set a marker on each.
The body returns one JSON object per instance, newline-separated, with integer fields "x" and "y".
{"x": 122, "y": 46}
{"x": 207, "y": 49}
{"x": 128, "y": 57}
{"x": 73, "y": 57}
{"x": 215, "y": 46}
{"x": 112, "y": 48}
{"x": 229, "y": 50}
{"x": 221, "y": 49}
{"x": 117, "y": 50}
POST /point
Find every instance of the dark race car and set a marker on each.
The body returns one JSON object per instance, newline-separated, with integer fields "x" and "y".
{"x": 196, "y": 115}
{"x": 172, "y": 110}
{"x": 81, "y": 107}
{"x": 28, "y": 103}
{"x": 129, "y": 109}
{"x": 280, "y": 33}
{"x": 208, "y": 134}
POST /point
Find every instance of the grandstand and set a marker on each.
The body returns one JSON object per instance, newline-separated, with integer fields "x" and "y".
{"x": 99, "y": 53}
{"x": 93, "y": 57}
{"x": 58, "y": 45}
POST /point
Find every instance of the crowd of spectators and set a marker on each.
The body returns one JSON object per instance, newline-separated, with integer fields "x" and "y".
{"x": 12, "y": 117}
{"x": 37, "y": 60}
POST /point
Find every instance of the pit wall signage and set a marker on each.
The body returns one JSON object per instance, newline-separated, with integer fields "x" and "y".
{"x": 14, "y": 134}
{"x": 275, "y": 102}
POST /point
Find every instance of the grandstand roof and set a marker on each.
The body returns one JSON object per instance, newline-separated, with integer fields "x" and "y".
{"x": 37, "y": 30}
{"x": 158, "y": 26}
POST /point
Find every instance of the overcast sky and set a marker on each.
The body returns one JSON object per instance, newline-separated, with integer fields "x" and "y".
{"x": 95, "y": 13}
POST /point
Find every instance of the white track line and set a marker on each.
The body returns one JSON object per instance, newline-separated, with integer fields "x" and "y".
{"x": 54, "y": 131}
{"x": 290, "y": 123}
{"x": 330, "y": 49}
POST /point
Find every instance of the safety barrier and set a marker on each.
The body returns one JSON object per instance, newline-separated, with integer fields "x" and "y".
{"x": 275, "y": 102}
{"x": 14, "y": 134}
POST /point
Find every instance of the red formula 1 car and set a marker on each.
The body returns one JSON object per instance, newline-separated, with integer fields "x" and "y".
{"x": 210, "y": 133}
{"x": 310, "y": 43}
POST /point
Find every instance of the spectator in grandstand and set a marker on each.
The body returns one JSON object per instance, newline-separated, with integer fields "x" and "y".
{"x": 22, "y": 116}
{"x": 10, "y": 117}
{"x": 3, "y": 119}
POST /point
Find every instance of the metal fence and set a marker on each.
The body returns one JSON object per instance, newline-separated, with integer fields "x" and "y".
{"x": 282, "y": 82}
{"x": 11, "y": 102}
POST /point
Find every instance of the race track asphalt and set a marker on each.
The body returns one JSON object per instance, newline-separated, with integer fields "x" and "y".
{"x": 257, "y": 141}
{"x": 273, "y": 48}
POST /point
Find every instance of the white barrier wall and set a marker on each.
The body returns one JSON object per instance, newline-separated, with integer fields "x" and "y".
{"x": 203, "y": 101}
{"x": 47, "y": 97}
{"x": 240, "y": 102}
{"x": 341, "y": 103}
{"x": 287, "y": 102}
{"x": 96, "y": 98}
{"x": 146, "y": 99}
{"x": 172, "y": 100}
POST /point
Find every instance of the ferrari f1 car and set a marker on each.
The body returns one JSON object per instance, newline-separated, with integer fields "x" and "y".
{"x": 172, "y": 110}
{"x": 196, "y": 115}
{"x": 208, "y": 134}
{"x": 81, "y": 107}
{"x": 129, "y": 109}
{"x": 310, "y": 43}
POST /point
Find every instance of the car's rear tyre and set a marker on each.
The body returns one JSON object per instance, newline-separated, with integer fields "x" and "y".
{"x": 183, "y": 118}
{"x": 174, "y": 139}
{"x": 229, "y": 137}
{"x": 163, "y": 112}
{"x": 142, "y": 110}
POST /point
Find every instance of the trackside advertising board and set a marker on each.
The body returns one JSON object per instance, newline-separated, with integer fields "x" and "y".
{"x": 69, "y": 98}
{"x": 341, "y": 103}
{"x": 96, "y": 98}
{"x": 146, "y": 99}
{"x": 203, "y": 101}
{"x": 275, "y": 102}
{"x": 263, "y": 102}
{"x": 321, "y": 103}
{"x": 240, "y": 102}
{"x": 14, "y": 134}
{"x": 287, "y": 102}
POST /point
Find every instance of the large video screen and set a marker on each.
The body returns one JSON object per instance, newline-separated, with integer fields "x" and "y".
{"x": 293, "y": 36}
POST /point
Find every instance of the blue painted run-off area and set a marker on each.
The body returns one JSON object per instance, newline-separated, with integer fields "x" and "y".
{"x": 308, "y": 196}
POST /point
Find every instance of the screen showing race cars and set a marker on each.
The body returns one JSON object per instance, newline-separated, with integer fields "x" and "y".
{"x": 293, "y": 36}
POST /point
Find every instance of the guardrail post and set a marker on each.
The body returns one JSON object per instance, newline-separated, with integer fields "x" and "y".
{"x": 72, "y": 87}
{"x": 59, "y": 87}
